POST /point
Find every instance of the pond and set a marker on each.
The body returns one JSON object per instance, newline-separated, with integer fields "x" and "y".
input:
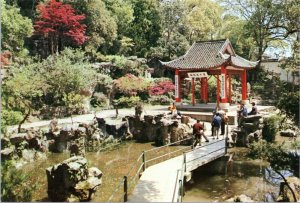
{"x": 243, "y": 176}
{"x": 113, "y": 163}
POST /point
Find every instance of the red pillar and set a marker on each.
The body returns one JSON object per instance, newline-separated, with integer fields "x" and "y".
{"x": 229, "y": 88}
{"x": 244, "y": 85}
{"x": 202, "y": 89}
{"x": 205, "y": 90}
{"x": 193, "y": 91}
{"x": 177, "y": 86}
{"x": 218, "y": 90}
{"x": 223, "y": 89}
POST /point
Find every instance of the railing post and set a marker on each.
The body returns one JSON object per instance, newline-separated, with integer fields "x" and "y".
{"x": 184, "y": 161}
{"x": 179, "y": 199}
{"x": 193, "y": 140}
{"x": 226, "y": 138}
{"x": 144, "y": 161}
{"x": 125, "y": 189}
{"x": 182, "y": 191}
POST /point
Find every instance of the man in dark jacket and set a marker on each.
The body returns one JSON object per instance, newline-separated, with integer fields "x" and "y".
{"x": 216, "y": 123}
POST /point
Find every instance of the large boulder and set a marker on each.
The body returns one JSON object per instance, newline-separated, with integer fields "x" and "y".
{"x": 7, "y": 153}
{"x": 288, "y": 133}
{"x": 17, "y": 138}
{"x": 71, "y": 180}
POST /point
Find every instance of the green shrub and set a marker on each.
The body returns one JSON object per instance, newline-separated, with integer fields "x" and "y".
{"x": 130, "y": 85}
{"x": 14, "y": 184}
{"x": 10, "y": 117}
{"x": 127, "y": 102}
{"x": 289, "y": 102}
{"x": 270, "y": 128}
{"x": 161, "y": 99}
{"x": 99, "y": 99}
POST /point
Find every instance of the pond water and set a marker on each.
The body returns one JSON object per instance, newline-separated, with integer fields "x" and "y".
{"x": 113, "y": 163}
{"x": 243, "y": 177}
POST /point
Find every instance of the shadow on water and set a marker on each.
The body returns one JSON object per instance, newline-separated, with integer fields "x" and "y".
{"x": 247, "y": 177}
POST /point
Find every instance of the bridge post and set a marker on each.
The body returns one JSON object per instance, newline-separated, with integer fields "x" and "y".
{"x": 144, "y": 161}
{"x": 184, "y": 161}
{"x": 226, "y": 138}
{"x": 125, "y": 189}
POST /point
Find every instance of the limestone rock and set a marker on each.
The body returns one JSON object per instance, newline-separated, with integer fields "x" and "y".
{"x": 288, "y": 133}
{"x": 71, "y": 180}
{"x": 7, "y": 153}
{"x": 5, "y": 142}
{"x": 17, "y": 138}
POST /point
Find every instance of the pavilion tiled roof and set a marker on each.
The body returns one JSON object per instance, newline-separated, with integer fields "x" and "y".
{"x": 209, "y": 54}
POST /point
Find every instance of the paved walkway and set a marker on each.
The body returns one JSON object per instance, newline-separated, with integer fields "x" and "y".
{"x": 89, "y": 117}
{"x": 158, "y": 182}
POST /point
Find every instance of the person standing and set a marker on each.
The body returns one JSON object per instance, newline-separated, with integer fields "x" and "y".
{"x": 198, "y": 132}
{"x": 216, "y": 125}
{"x": 242, "y": 114}
{"x": 224, "y": 120}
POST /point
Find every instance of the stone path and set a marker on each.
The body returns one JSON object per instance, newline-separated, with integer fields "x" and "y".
{"x": 89, "y": 117}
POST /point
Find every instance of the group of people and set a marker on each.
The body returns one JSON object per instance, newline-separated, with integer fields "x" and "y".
{"x": 243, "y": 112}
{"x": 220, "y": 119}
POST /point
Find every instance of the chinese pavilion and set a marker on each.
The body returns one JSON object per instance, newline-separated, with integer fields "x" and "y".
{"x": 211, "y": 58}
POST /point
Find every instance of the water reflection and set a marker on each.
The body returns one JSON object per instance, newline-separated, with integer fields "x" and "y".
{"x": 243, "y": 177}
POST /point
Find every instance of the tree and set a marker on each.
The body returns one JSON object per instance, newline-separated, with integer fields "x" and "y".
{"x": 67, "y": 74}
{"x": 23, "y": 91}
{"x": 101, "y": 27}
{"x": 267, "y": 21}
{"x": 122, "y": 12}
{"x": 203, "y": 18}
{"x": 15, "y": 28}
{"x": 145, "y": 29}
{"x": 233, "y": 28}
{"x": 58, "y": 23}
{"x": 172, "y": 42}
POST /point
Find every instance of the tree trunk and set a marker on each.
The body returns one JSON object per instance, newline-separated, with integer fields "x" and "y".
{"x": 24, "y": 119}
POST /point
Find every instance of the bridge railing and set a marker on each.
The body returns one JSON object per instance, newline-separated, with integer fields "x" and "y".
{"x": 154, "y": 155}
{"x": 180, "y": 178}
{"x": 129, "y": 181}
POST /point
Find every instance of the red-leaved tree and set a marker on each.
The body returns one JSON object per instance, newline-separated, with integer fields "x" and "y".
{"x": 162, "y": 88}
{"x": 59, "y": 24}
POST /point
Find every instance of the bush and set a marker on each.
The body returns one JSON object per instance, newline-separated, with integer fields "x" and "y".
{"x": 162, "y": 88}
{"x": 161, "y": 99}
{"x": 130, "y": 85}
{"x": 127, "y": 102}
{"x": 289, "y": 102}
{"x": 13, "y": 185}
{"x": 10, "y": 117}
{"x": 270, "y": 128}
{"x": 99, "y": 99}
